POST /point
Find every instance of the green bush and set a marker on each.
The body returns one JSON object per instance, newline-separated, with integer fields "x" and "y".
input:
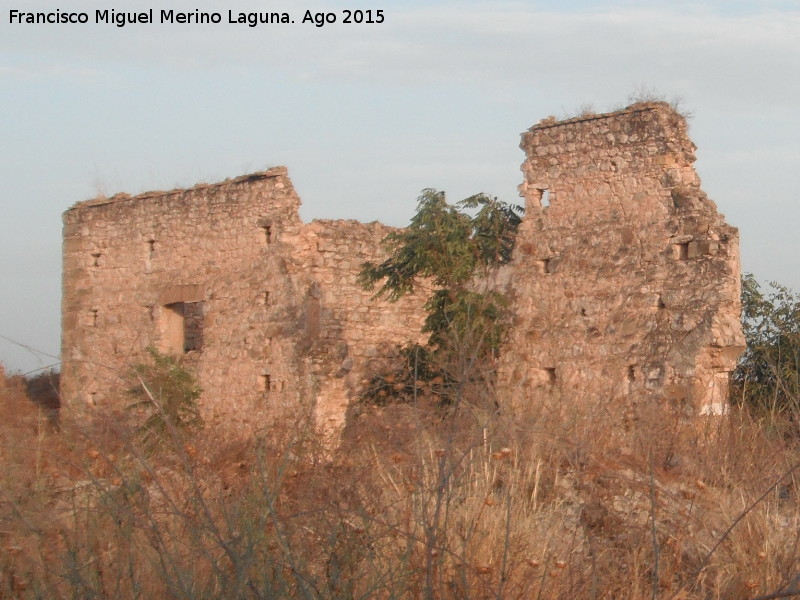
{"x": 768, "y": 376}
{"x": 167, "y": 395}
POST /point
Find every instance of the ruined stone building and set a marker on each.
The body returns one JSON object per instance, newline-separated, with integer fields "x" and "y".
{"x": 264, "y": 309}
{"x": 624, "y": 283}
{"x": 626, "y": 279}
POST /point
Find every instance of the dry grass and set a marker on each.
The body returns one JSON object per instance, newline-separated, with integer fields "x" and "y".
{"x": 559, "y": 503}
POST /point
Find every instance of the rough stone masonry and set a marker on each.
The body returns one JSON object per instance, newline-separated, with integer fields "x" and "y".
{"x": 624, "y": 284}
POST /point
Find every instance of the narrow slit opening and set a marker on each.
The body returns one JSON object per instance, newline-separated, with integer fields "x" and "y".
{"x": 630, "y": 377}
{"x": 265, "y": 383}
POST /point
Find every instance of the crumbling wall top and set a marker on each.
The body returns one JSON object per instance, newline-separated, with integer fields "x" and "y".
{"x": 648, "y": 127}
{"x": 273, "y": 172}
{"x": 552, "y": 121}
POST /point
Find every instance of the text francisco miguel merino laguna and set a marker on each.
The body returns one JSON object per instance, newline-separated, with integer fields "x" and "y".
{"x": 251, "y": 19}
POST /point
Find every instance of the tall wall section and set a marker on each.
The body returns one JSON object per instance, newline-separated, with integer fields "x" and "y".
{"x": 265, "y": 310}
{"x": 356, "y": 336}
{"x": 625, "y": 277}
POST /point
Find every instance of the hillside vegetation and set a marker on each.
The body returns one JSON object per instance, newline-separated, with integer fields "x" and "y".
{"x": 454, "y": 498}
{"x": 460, "y": 501}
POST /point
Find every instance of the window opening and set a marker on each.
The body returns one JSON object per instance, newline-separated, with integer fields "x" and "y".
{"x": 683, "y": 251}
{"x": 545, "y": 198}
{"x": 96, "y": 259}
{"x": 182, "y": 327}
{"x": 267, "y": 233}
{"x": 265, "y": 383}
{"x": 192, "y": 326}
{"x": 630, "y": 377}
{"x": 149, "y": 252}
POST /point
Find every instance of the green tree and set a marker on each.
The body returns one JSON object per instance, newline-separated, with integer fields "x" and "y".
{"x": 454, "y": 247}
{"x": 768, "y": 375}
{"x": 166, "y": 396}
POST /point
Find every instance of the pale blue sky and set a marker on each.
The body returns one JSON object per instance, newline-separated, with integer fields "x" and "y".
{"x": 365, "y": 116}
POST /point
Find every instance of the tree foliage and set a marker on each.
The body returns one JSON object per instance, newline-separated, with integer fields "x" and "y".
{"x": 166, "y": 395}
{"x": 768, "y": 375}
{"x": 452, "y": 246}
{"x": 445, "y": 243}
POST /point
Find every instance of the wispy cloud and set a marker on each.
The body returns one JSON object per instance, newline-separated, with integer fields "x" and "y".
{"x": 472, "y": 44}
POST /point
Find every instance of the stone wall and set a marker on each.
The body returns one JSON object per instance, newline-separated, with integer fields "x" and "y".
{"x": 348, "y": 336}
{"x": 624, "y": 284}
{"x": 264, "y": 309}
{"x": 626, "y": 278}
